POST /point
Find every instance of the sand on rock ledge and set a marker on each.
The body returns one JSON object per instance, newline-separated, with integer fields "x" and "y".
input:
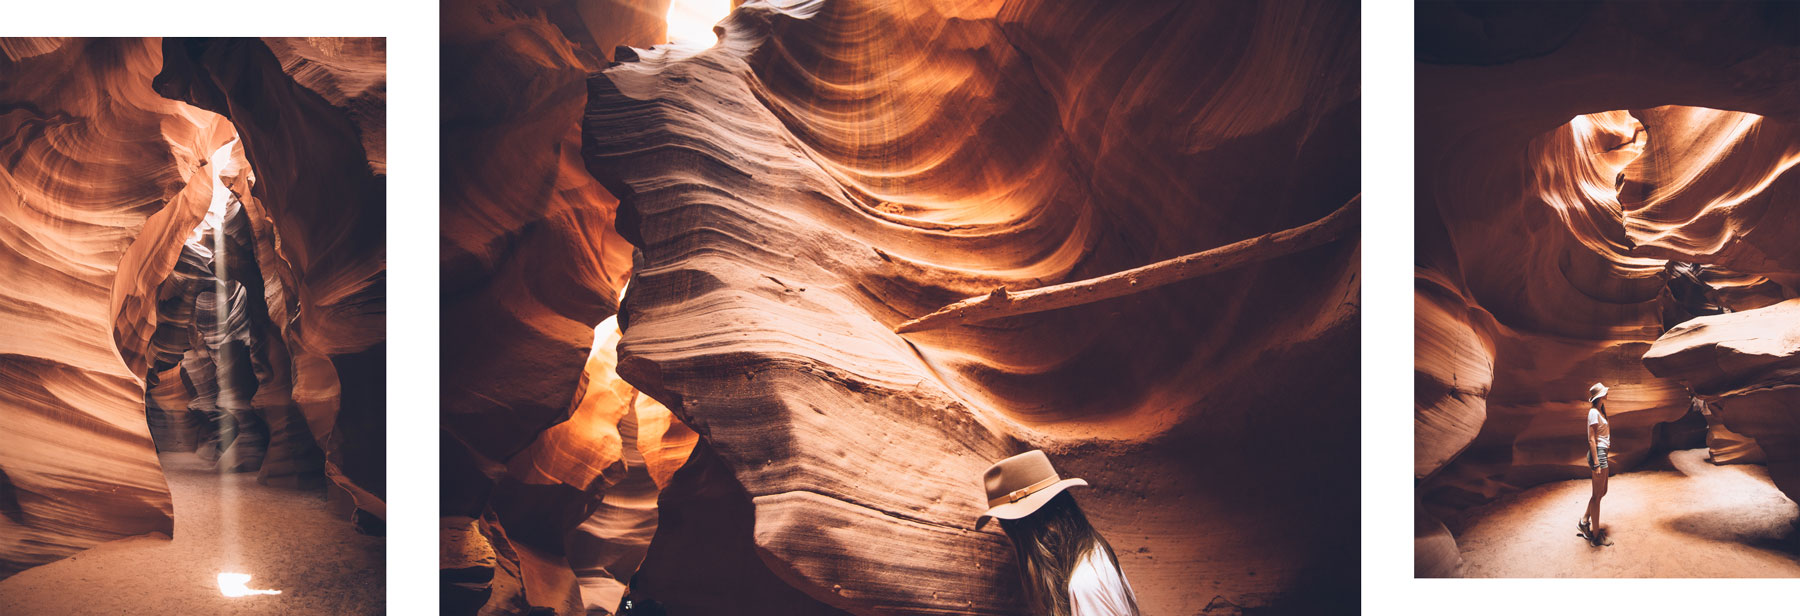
{"x": 285, "y": 539}
{"x": 1689, "y": 518}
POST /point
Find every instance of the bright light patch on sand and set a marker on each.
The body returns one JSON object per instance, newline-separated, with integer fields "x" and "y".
{"x": 234, "y": 585}
{"x": 691, "y": 21}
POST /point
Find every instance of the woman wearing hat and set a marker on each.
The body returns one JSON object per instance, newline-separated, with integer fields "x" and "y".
{"x": 1599, "y": 433}
{"x": 1067, "y": 568}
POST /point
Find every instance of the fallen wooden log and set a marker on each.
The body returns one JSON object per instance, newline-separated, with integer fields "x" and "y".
{"x": 1000, "y": 303}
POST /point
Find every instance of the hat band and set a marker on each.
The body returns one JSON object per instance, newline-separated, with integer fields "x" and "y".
{"x": 1015, "y": 495}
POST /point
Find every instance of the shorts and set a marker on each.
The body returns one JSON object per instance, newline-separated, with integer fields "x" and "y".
{"x": 1592, "y": 466}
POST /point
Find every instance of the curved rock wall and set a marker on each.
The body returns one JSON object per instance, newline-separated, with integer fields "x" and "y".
{"x": 309, "y": 113}
{"x": 1747, "y": 365}
{"x": 548, "y": 501}
{"x": 108, "y": 181}
{"x": 103, "y": 172}
{"x": 831, "y": 169}
{"x": 579, "y": 504}
{"x": 1572, "y": 159}
{"x": 529, "y": 261}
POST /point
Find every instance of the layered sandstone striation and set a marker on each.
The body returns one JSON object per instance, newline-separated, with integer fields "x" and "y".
{"x": 552, "y": 463}
{"x": 1589, "y": 176}
{"x": 1747, "y": 365}
{"x": 829, "y": 170}
{"x": 98, "y": 162}
{"x": 149, "y": 289}
{"x": 576, "y": 508}
{"x": 309, "y": 113}
{"x": 529, "y": 260}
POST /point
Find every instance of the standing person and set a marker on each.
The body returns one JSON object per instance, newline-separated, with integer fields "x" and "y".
{"x": 1599, "y": 433}
{"x": 1067, "y": 568}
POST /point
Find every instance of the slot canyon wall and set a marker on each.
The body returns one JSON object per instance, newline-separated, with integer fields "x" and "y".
{"x": 551, "y": 464}
{"x": 831, "y": 169}
{"x": 119, "y": 194}
{"x": 219, "y": 388}
{"x": 311, "y": 113}
{"x": 1595, "y": 184}
{"x": 828, "y": 170}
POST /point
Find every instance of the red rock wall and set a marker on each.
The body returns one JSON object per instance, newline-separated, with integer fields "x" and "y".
{"x": 1565, "y": 154}
{"x": 832, "y": 169}
{"x": 529, "y": 260}
{"x": 310, "y": 114}
{"x": 104, "y": 179}
{"x": 1747, "y": 364}
{"x": 109, "y": 179}
{"x": 530, "y": 265}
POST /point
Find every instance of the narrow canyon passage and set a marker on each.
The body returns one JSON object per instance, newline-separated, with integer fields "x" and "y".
{"x": 192, "y": 326}
{"x": 1680, "y": 517}
{"x": 785, "y": 187}
{"x": 286, "y": 540}
{"x": 255, "y": 530}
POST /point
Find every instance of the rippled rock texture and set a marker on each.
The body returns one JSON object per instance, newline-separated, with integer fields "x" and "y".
{"x": 122, "y": 314}
{"x": 831, "y": 169}
{"x": 530, "y": 262}
{"x": 1747, "y": 365}
{"x": 1589, "y": 176}
{"x": 552, "y": 464}
{"x": 311, "y": 114}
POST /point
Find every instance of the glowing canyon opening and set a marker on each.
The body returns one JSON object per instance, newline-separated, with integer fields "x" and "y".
{"x": 1597, "y": 203}
{"x": 193, "y": 324}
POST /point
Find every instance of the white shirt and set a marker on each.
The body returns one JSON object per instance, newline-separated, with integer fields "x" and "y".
{"x": 1096, "y": 588}
{"x": 1603, "y": 434}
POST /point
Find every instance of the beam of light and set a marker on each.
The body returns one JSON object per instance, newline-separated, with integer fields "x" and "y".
{"x": 234, "y": 585}
{"x": 691, "y": 21}
{"x": 221, "y": 204}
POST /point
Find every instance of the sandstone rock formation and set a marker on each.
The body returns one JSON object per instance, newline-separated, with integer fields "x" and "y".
{"x": 98, "y": 159}
{"x": 124, "y": 315}
{"x": 834, "y": 169}
{"x": 1573, "y": 162}
{"x": 530, "y": 263}
{"x": 1747, "y": 364}
{"x": 551, "y": 463}
{"x": 310, "y": 113}
{"x": 829, "y": 170}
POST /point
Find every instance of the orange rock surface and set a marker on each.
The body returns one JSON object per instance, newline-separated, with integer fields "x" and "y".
{"x": 99, "y": 160}
{"x": 548, "y": 501}
{"x": 1748, "y": 365}
{"x": 104, "y": 229}
{"x": 830, "y": 169}
{"x": 1566, "y": 156}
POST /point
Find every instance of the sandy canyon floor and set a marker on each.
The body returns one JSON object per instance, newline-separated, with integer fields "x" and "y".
{"x": 1683, "y": 518}
{"x": 285, "y": 539}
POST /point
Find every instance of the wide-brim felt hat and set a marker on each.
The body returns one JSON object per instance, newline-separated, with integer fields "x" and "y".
{"x": 1020, "y": 485}
{"x": 1597, "y": 392}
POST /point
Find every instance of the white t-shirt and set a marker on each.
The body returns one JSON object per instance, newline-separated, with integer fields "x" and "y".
{"x": 1603, "y": 434}
{"x": 1096, "y": 588}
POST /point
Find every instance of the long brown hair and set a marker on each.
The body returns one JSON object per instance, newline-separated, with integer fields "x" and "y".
{"x": 1049, "y": 543}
